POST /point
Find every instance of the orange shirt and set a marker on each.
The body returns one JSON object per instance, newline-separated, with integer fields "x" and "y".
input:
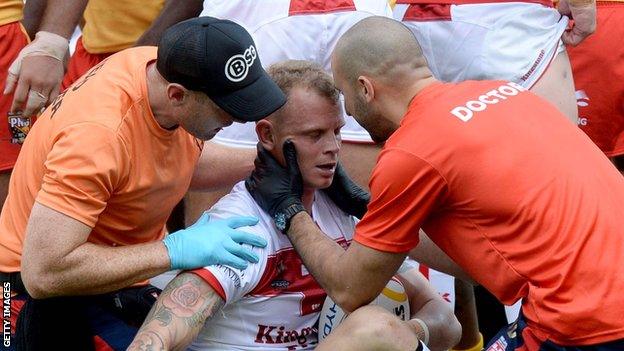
{"x": 11, "y": 11}
{"x": 98, "y": 155}
{"x": 487, "y": 173}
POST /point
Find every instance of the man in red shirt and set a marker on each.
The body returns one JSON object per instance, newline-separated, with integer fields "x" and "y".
{"x": 478, "y": 165}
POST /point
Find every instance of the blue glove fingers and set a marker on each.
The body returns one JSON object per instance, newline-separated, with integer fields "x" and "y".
{"x": 227, "y": 259}
{"x": 241, "y": 252}
{"x": 242, "y": 237}
{"x": 235, "y": 222}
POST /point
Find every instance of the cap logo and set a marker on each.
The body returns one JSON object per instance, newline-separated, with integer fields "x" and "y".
{"x": 237, "y": 67}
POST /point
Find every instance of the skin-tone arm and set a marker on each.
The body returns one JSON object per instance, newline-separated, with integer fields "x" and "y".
{"x": 428, "y": 253}
{"x": 235, "y": 164}
{"x": 173, "y": 12}
{"x": 62, "y": 16}
{"x": 40, "y": 73}
{"x": 353, "y": 277}
{"x": 428, "y": 306}
{"x": 33, "y": 13}
{"x": 58, "y": 260}
{"x": 466, "y": 313}
{"x": 178, "y": 315}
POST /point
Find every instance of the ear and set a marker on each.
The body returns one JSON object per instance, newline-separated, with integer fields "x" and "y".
{"x": 177, "y": 94}
{"x": 266, "y": 134}
{"x": 365, "y": 86}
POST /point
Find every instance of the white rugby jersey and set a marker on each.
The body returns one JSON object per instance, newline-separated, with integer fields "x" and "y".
{"x": 253, "y": 14}
{"x": 275, "y": 303}
{"x": 298, "y": 30}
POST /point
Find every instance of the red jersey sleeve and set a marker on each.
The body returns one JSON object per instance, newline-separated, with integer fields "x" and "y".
{"x": 405, "y": 189}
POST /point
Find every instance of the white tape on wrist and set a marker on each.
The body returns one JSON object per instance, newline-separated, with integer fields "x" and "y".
{"x": 49, "y": 44}
{"x": 425, "y": 329}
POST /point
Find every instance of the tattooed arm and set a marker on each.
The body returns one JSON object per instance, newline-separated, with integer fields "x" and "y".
{"x": 178, "y": 315}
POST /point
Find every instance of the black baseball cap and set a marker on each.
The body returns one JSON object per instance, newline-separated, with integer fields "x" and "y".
{"x": 219, "y": 57}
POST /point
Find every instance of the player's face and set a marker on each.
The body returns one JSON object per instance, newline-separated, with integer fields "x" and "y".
{"x": 204, "y": 119}
{"x": 313, "y": 123}
{"x": 356, "y": 106}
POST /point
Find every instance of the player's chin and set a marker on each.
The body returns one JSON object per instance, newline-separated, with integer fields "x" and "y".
{"x": 321, "y": 181}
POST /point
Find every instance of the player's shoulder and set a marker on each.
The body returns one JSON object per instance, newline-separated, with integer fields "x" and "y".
{"x": 239, "y": 202}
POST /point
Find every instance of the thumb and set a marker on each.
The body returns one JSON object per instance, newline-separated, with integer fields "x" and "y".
{"x": 290, "y": 155}
{"x": 205, "y": 218}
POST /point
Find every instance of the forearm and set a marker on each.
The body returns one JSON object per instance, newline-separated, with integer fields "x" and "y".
{"x": 444, "y": 331}
{"x": 62, "y": 16}
{"x": 466, "y": 313}
{"x": 95, "y": 269}
{"x": 322, "y": 256}
{"x": 33, "y": 13}
{"x": 173, "y": 12}
{"x": 221, "y": 167}
{"x": 351, "y": 278}
{"x": 178, "y": 315}
{"x": 428, "y": 253}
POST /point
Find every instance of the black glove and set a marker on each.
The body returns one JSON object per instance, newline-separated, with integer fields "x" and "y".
{"x": 276, "y": 189}
{"x": 347, "y": 195}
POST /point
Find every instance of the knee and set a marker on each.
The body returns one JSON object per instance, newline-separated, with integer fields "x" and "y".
{"x": 380, "y": 329}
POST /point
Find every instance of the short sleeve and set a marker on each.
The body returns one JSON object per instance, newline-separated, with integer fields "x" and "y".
{"x": 84, "y": 167}
{"x": 231, "y": 283}
{"x": 404, "y": 191}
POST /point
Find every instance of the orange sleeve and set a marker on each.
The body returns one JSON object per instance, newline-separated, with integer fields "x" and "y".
{"x": 84, "y": 167}
{"x": 405, "y": 190}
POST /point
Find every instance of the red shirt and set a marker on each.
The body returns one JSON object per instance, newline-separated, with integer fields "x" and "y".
{"x": 516, "y": 195}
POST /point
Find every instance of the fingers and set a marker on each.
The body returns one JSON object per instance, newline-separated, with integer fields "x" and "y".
{"x": 241, "y": 252}
{"x": 19, "y": 98}
{"x": 53, "y": 94}
{"x": 9, "y": 86}
{"x": 36, "y": 101}
{"x": 231, "y": 260}
{"x": 13, "y": 75}
{"x": 573, "y": 37}
{"x": 243, "y": 237}
{"x": 290, "y": 155}
{"x": 235, "y": 222}
{"x": 265, "y": 157}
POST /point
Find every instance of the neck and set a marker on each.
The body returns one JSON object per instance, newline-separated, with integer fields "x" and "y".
{"x": 157, "y": 97}
{"x": 398, "y": 101}
{"x": 308, "y": 198}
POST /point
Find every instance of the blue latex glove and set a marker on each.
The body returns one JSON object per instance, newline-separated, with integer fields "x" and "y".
{"x": 207, "y": 243}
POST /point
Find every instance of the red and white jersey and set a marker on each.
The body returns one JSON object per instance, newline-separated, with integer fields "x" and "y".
{"x": 295, "y": 30}
{"x": 275, "y": 303}
{"x": 254, "y": 14}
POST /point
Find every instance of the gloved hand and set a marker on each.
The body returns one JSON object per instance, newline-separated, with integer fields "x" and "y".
{"x": 276, "y": 189}
{"x": 39, "y": 77}
{"x": 346, "y": 194}
{"x": 213, "y": 242}
{"x": 583, "y": 12}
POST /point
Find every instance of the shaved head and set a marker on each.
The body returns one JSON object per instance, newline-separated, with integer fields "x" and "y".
{"x": 377, "y": 46}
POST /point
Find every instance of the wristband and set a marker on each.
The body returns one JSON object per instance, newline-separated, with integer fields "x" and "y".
{"x": 424, "y": 328}
{"x": 477, "y": 347}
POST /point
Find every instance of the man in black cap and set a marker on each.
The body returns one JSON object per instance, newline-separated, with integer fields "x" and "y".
{"x": 100, "y": 173}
